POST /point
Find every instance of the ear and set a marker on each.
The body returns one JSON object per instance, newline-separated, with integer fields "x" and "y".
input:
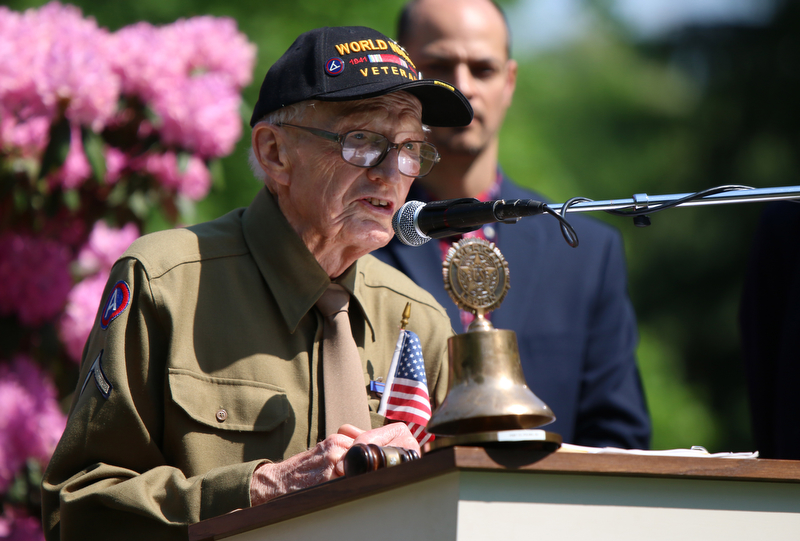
{"x": 270, "y": 150}
{"x": 511, "y": 81}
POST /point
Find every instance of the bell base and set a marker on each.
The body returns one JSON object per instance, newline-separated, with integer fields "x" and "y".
{"x": 536, "y": 440}
{"x": 492, "y": 423}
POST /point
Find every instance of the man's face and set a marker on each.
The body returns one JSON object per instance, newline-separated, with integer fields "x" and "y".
{"x": 334, "y": 203}
{"x": 464, "y": 42}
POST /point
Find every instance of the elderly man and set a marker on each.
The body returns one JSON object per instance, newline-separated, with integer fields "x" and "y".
{"x": 217, "y": 375}
{"x": 575, "y": 325}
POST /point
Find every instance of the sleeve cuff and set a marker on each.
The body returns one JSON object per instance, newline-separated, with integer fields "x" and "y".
{"x": 227, "y": 489}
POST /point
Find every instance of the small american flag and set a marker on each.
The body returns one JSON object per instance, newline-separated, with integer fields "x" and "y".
{"x": 406, "y": 396}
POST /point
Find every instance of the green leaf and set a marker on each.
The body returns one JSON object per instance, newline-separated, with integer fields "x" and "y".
{"x": 118, "y": 194}
{"x": 57, "y": 148}
{"x": 93, "y": 147}
{"x": 21, "y": 201}
{"x": 183, "y": 162}
{"x": 187, "y": 209}
{"x": 246, "y": 110}
{"x": 72, "y": 199}
{"x": 139, "y": 205}
{"x": 217, "y": 174}
{"x": 18, "y": 490}
{"x": 152, "y": 116}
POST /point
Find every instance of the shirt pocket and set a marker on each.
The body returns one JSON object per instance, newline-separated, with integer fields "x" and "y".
{"x": 228, "y": 404}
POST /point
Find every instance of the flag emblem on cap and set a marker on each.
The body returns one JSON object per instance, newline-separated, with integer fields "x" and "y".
{"x": 390, "y": 58}
{"x": 334, "y": 66}
{"x": 116, "y": 303}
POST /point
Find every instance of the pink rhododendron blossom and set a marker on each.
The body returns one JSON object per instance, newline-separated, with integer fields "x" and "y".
{"x": 200, "y": 114}
{"x": 116, "y": 162}
{"x": 150, "y": 60}
{"x": 24, "y": 117}
{"x": 70, "y": 63}
{"x": 145, "y": 60}
{"x": 215, "y": 45}
{"x": 20, "y": 101}
{"x": 24, "y": 123}
{"x": 164, "y": 167}
{"x": 53, "y": 55}
{"x": 34, "y": 277}
{"x": 77, "y": 320}
{"x": 189, "y": 72}
{"x": 104, "y": 246}
{"x": 194, "y": 182}
{"x": 31, "y": 422}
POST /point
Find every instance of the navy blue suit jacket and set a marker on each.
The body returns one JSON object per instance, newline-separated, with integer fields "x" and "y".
{"x": 570, "y": 309}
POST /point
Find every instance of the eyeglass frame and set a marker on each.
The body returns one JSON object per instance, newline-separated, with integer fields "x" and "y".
{"x": 340, "y": 137}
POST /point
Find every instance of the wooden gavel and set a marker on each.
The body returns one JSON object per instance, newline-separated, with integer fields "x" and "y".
{"x": 367, "y": 457}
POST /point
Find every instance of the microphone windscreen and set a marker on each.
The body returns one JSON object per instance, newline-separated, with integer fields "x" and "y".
{"x": 404, "y": 224}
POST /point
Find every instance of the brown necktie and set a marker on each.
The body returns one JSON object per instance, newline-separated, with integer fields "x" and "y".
{"x": 342, "y": 374}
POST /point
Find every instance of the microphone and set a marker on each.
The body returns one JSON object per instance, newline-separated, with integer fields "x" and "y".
{"x": 415, "y": 223}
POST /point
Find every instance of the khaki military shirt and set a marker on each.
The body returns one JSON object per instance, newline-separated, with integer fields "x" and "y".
{"x": 203, "y": 362}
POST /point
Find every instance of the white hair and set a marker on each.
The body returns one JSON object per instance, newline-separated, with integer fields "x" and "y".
{"x": 289, "y": 113}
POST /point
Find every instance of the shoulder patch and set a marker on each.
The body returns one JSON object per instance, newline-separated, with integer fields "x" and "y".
{"x": 116, "y": 303}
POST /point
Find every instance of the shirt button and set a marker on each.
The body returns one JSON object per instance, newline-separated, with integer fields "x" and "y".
{"x": 222, "y": 415}
{"x": 488, "y": 232}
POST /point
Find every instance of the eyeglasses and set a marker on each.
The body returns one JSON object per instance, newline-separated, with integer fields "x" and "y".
{"x": 364, "y": 148}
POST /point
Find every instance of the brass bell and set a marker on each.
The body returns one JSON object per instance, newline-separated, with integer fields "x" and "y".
{"x": 486, "y": 390}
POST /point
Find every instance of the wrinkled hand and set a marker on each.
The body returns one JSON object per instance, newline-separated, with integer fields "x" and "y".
{"x": 394, "y": 434}
{"x": 302, "y": 470}
{"x": 323, "y": 462}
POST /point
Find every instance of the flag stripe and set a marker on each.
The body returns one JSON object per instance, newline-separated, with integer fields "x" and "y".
{"x": 420, "y": 434}
{"x": 419, "y": 401}
{"x": 413, "y": 416}
{"x": 407, "y": 386}
{"x": 411, "y": 410}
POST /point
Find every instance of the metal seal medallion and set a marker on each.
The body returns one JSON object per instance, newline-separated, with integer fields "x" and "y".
{"x": 476, "y": 275}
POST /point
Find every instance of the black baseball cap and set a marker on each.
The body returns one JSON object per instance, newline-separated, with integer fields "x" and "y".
{"x": 351, "y": 63}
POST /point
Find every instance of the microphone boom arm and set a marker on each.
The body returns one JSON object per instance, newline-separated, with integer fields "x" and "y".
{"x": 642, "y": 203}
{"x": 416, "y": 222}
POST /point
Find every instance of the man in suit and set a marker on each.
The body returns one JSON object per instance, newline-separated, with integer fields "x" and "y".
{"x": 575, "y": 325}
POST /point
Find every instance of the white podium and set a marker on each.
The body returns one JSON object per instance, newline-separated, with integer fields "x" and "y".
{"x": 474, "y": 493}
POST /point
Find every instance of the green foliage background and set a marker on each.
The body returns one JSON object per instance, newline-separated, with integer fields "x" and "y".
{"x": 606, "y": 117}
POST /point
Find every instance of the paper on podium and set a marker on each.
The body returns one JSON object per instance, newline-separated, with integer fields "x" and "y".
{"x": 695, "y": 451}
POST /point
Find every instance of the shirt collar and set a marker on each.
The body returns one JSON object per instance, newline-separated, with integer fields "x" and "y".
{"x": 292, "y": 273}
{"x": 290, "y": 270}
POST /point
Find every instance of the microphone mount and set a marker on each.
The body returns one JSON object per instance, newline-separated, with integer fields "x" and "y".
{"x": 460, "y": 213}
